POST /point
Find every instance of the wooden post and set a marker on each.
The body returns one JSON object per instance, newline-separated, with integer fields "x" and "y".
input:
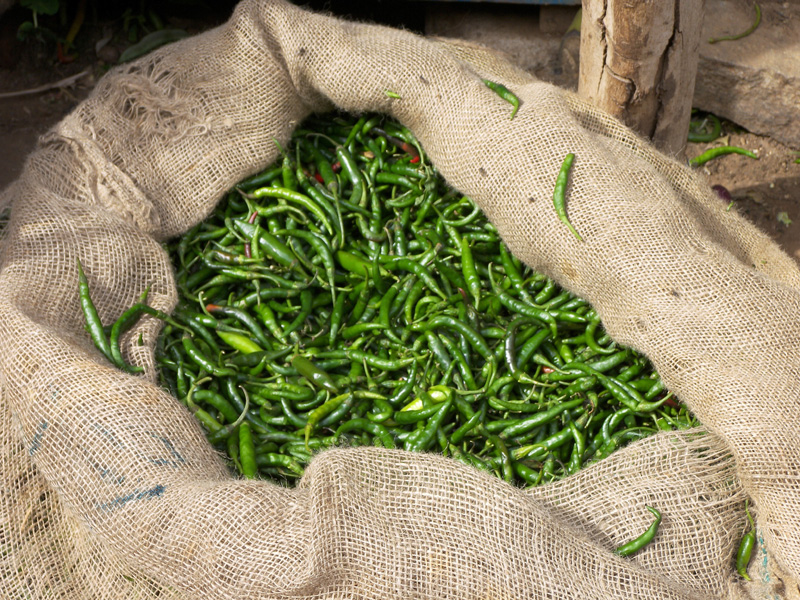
{"x": 639, "y": 62}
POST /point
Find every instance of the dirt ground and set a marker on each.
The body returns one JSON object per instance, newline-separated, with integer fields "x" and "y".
{"x": 767, "y": 190}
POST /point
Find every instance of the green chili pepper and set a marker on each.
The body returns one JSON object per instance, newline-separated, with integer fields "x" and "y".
{"x": 323, "y": 411}
{"x": 239, "y": 342}
{"x": 323, "y": 250}
{"x": 644, "y": 539}
{"x": 470, "y": 272}
{"x": 525, "y": 425}
{"x": 697, "y": 135}
{"x": 314, "y": 374}
{"x": 93, "y": 324}
{"x": 560, "y": 194}
{"x": 745, "y": 33}
{"x": 202, "y": 361}
{"x": 746, "y": 546}
{"x": 270, "y": 244}
{"x": 296, "y": 197}
{"x": 391, "y": 318}
{"x": 125, "y": 322}
{"x": 426, "y": 436}
{"x": 521, "y": 307}
{"x": 504, "y": 93}
{"x": 719, "y": 151}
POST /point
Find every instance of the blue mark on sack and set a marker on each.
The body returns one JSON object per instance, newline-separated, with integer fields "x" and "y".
{"x": 36, "y": 441}
{"x": 135, "y": 495}
{"x": 110, "y": 436}
{"x": 105, "y": 472}
{"x": 173, "y": 459}
{"x": 176, "y": 461}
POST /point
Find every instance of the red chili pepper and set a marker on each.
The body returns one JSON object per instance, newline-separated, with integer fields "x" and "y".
{"x": 672, "y": 402}
{"x": 408, "y": 148}
{"x": 337, "y": 166}
{"x": 247, "y": 250}
{"x": 252, "y": 218}
{"x": 319, "y": 178}
{"x": 547, "y": 370}
{"x": 404, "y": 146}
{"x": 64, "y": 58}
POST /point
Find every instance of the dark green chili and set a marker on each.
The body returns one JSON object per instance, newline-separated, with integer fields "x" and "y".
{"x": 362, "y": 424}
{"x": 522, "y": 308}
{"x": 244, "y": 318}
{"x": 525, "y": 425}
{"x": 314, "y": 374}
{"x": 425, "y": 437}
{"x": 470, "y": 272}
{"x": 202, "y": 361}
{"x": 125, "y": 322}
{"x": 293, "y": 196}
{"x": 418, "y": 269}
{"x": 270, "y": 243}
{"x": 696, "y": 134}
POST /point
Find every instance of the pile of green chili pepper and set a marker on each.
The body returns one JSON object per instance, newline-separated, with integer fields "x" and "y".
{"x": 347, "y": 297}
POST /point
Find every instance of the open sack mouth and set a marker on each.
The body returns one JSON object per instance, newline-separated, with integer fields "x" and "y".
{"x": 330, "y": 311}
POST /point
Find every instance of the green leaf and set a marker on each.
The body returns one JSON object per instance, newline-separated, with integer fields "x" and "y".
{"x": 783, "y": 218}
{"x": 152, "y": 41}
{"x": 25, "y": 29}
{"x": 45, "y": 7}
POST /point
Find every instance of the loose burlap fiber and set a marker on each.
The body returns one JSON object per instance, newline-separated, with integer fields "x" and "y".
{"x": 109, "y": 489}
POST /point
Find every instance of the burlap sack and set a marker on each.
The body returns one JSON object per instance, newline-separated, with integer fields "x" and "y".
{"x": 109, "y": 489}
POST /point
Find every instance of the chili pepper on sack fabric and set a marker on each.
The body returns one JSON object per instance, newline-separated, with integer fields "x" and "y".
{"x": 504, "y": 93}
{"x": 405, "y": 323}
{"x": 94, "y": 325}
{"x": 746, "y": 545}
{"x": 560, "y": 194}
{"x": 644, "y": 539}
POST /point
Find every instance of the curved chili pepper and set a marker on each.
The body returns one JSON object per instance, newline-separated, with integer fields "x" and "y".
{"x": 504, "y": 93}
{"x": 297, "y": 198}
{"x": 644, "y": 539}
{"x": 745, "y": 33}
{"x": 720, "y": 151}
{"x": 560, "y": 194}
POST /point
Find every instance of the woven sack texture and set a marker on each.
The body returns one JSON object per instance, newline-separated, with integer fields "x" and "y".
{"x": 109, "y": 487}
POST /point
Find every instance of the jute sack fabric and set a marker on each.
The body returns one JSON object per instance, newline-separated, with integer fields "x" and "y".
{"x": 109, "y": 487}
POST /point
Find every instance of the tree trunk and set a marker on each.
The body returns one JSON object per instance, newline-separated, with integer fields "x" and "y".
{"x": 639, "y": 62}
